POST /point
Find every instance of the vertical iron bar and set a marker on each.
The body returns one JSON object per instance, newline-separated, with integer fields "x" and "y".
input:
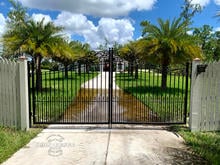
{"x": 169, "y": 102}
{"x": 110, "y": 85}
{"x": 46, "y": 98}
{"x": 149, "y": 93}
{"x": 146, "y": 109}
{"x": 157, "y": 97}
{"x": 182, "y": 96}
{"x": 67, "y": 95}
{"x": 186, "y": 92}
{"x": 50, "y": 92}
{"x": 174, "y": 97}
{"x": 63, "y": 99}
{"x": 179, "y": 97}
{"x": 136, "y": 86}
{"x": 54, "y": 89}
{"x": 57, "y": 101}
{"x": 33, "y": 93}
{"x": 29, "y": 96}
{"x": 153, "y": 92}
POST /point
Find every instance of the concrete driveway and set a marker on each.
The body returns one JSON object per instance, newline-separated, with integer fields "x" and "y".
{"x": 89, "y": 145}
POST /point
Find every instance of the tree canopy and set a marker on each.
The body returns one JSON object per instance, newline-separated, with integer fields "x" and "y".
{"x": 168, "y": 43}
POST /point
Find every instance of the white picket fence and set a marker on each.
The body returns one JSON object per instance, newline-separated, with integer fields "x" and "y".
{"x": 205, "y": 98}
{"x": 14, "y": 94}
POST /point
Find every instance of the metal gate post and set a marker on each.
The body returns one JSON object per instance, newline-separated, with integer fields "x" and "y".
{"x": 110, "y": 85}
{"x": 33, "y": 92}
{"x": 186, "y": 92}
{"x": 29, "y": 66}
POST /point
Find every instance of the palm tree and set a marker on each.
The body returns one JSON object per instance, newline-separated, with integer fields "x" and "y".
{"x": 168, "y": 43}
{"x": 84, "y": 54}
{"x": 35, "y": 38}
{"x": 129, "y": 52}
{"x": 62, "y": 52}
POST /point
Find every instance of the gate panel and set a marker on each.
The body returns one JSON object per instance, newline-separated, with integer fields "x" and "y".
{"x": 78, "y": 95}
{"x": 110, "y": 91}
{"x": 141, "y": 99}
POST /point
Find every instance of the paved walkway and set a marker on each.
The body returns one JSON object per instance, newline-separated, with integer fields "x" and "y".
{"x": 100, "y": 82}
{"x": 63, "y": 145}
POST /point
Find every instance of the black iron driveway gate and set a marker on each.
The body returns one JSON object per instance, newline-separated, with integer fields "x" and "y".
{"x": 109, "y": 90}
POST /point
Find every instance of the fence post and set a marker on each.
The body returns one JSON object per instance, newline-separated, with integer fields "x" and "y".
{"x": 195, "y": 98}
{"x": 24, "y": 100}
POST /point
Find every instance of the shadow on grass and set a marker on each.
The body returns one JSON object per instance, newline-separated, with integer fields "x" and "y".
{"x": 66, "y": 78}
{"x": 152, "y": 90}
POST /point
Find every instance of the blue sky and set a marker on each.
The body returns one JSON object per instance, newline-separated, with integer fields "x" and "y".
{"x": 95, "y": 21}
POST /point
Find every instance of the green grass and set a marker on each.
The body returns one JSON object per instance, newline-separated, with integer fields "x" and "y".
{"x": 12, "y": 140}
{"x": 58, "y": 93}
{"x": 204, "y": 144}
{"x": 147, "y": 89}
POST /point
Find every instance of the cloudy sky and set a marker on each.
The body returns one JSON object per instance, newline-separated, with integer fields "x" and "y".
{"x": 95, "y": 21}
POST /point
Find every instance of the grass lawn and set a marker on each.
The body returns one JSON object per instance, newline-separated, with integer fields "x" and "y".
{"x": 58, "y": 93}
{"x": 205, "y": 144}
{"x": 12, "y": 140}
{"x": 167, "y": 104}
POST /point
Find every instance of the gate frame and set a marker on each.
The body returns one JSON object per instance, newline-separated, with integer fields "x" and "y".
{"x": 32, "y": 102}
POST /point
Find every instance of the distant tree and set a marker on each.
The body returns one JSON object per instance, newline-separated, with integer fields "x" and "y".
{"x": 17, "y": 19}
{"x": 129, "y": 52}
{"x": 24, "y": 35}
{"x": 62, "y": 52}
{"x": 84, "y": 55}
{"x": 207, "y": 40}
{"x": 216, "y": 55}
{"x": 168, "y": 43}
{"x": 189, "y": 10}
{"x": 105, "y": 46}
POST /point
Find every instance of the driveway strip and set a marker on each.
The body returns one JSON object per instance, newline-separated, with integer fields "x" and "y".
{"x": 68, "y": 145}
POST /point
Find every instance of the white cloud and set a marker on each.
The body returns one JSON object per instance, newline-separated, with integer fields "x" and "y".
{"x": 201, "y": 2}
{"x": 190, "y": 32}
{"x": 74, "y": 23}
{"x": 217, "y": 2}
{"x": 2, "y": 23}
{"x": 115, "y": 30}
{"x": 112, "y": 30}
{"x": 217, "y": 29}
{"x": 101, "y": 8}
{"x": 39, "y": 17}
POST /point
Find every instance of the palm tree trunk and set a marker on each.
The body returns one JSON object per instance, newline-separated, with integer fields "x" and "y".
{"x": 87, "y": 68}
{"x": 132, "y": 68}
{"x": 129, "y": 68}
{"x": 79, "y": 68}
{"x": 164, "y": 76}
{"x": 38, "y": 73}
{"x": 136, "y": 71}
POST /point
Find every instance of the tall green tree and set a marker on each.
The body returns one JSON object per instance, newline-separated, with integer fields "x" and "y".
{"x": 216, "y": 53}
{"x": 24, "y": 35}
{"x": 189, "y": 10}
{"x": 17, "y": 18}
{"x": 168, "y": 43}
{"x": 207, "y": 40}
